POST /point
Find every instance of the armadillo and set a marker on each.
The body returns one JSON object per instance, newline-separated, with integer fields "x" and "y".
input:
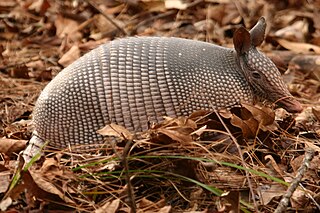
{"x": 138, "y": 80}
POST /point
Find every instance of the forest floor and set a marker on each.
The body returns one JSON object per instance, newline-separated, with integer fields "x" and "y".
{"x": 246, "y": 159}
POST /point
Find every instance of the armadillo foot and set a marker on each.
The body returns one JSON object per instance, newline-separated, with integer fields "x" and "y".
{"x": 35, "y": 145}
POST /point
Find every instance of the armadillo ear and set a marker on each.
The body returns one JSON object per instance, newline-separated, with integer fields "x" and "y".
{"x": 241, "y": 40}
{"x": 257, "y": 32}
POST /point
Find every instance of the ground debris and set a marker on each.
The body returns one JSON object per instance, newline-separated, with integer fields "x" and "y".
{"x": 186, "y": 164}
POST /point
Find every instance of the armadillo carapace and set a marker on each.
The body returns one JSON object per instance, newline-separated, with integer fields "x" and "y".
{"x": 134, "y": 81}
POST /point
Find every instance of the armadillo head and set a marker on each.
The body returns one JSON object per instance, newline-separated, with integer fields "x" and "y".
{"x": 261, "y": 73}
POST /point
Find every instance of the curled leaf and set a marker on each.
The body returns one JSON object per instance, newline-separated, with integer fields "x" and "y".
{"x": 116, "y": 131}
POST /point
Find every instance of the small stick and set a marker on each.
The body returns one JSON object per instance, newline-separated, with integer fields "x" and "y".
{"x": 126, "y": 169}
{"x": 240, "y": 155}
{"x": 295, "y": 182}
{"x": 95, "y": 6}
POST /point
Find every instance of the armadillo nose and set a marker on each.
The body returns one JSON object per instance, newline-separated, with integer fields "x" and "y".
{"x": 290, "y": 104}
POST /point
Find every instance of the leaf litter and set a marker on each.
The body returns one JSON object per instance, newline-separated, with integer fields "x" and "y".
{"x": 186, "y": 164}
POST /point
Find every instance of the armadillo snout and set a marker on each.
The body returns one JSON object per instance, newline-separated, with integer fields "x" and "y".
{"x": 290, "y": 104}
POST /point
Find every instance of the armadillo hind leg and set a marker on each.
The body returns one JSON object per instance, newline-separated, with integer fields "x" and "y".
{"x": 35, "y": 145}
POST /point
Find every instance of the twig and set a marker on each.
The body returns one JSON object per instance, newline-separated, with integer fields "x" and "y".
{"x": 310, "y": 196}
{"x": 124, "y": 161}
{"x": 295, "y": 182}
{"x": 95, "y": 6}
{"x": 162, "y": 15}
{"x": 126, "y": 169}
{"x": 159, "y": 16}
{"x": 240, "y": 154}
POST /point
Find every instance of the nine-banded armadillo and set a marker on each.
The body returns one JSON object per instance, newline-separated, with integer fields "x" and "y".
{"x": 135, "y": 80}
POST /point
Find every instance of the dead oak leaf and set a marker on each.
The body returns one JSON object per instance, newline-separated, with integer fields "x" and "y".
{"x": 40, "y": 6}
{"x": 298, "y": 47}
{"x": 316, "y": 112}
{"x": 51, "y": 170}
{"x": 67, "y": 27}
{"x": 249, "y": 127}
{"x": 8, "y": 146}
{"x": 177, "y": 134}
{"x": 151, "y": 206}
{"x": 312, "y": 172}
{"x": 230, "y": 202}
{"x": 270, "y": 192}
{"x": 70, "y": 56}
{"x": 42, "y": 188}
{"x": 116, "y": 130}
{"x": 263, "y": 115}
{"x": 111, "y": 207}
{"x": 178, "y": 129}
{"x": 183, "y": 122}
{"x": 5, "y": 177}
{"x": 299, "y": 199}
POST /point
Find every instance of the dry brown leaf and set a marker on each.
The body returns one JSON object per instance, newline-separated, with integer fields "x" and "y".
{"x": 52, "y": 170}
{"x": 177, "y": 122}
{"x": 230, "y": 201}
{"x": 67, "y": 27}
{"x": 70, "y": 56}
{"x": 294, "y": 32}
{"x": 199, "y": 114}
{"x": 263, "y": 115}
{"x": 44, "y": 189}
{"x": 8, "y": 146}
{"x": 226, "y": 114}
{"x": 40, "y": 6}
{"x": 312, "y": 145}
{"x": 20, "y": 72}
{"x": 39, "y": 188}
{"x": 36, "y": 64}
{"x": 153, "y": 6}
{"x": 299, "y": 47}
{"x": 111, "y": 206}
{"x": 5, "y": 177}
{"x": 176, "y": 135}
{"x": 8, "y": 3}
{"x": 178, "y": 129}
{"x": 312, "y": 172}
{"x": 104, "y": 26}
{"x": 299, "y": 199}
{"x": 90, "y": 45}
{"x": 316, "y": 112}
{"x": 165, "y": 209}
{"x": 113, "y": 10}
{"x": 308, "y": 64}
{"x": 145, "y": 203}
{"x": 117, "y": 131}
{"x": 269, "y": 192}
{"x": 249, "y": 127}
{"x": 150, "y": 207}
{"x": 186, "y": 123}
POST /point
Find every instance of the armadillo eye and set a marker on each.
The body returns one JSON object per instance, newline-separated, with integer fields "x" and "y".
{"x": 256, "y": 75}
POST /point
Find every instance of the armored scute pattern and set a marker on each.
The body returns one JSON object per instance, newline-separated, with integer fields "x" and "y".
{"x": 133, "y": 81}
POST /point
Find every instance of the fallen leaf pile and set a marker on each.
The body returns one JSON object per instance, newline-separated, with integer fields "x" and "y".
{"x": 222, "y": 161}
{"x": 181, "y": 163}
